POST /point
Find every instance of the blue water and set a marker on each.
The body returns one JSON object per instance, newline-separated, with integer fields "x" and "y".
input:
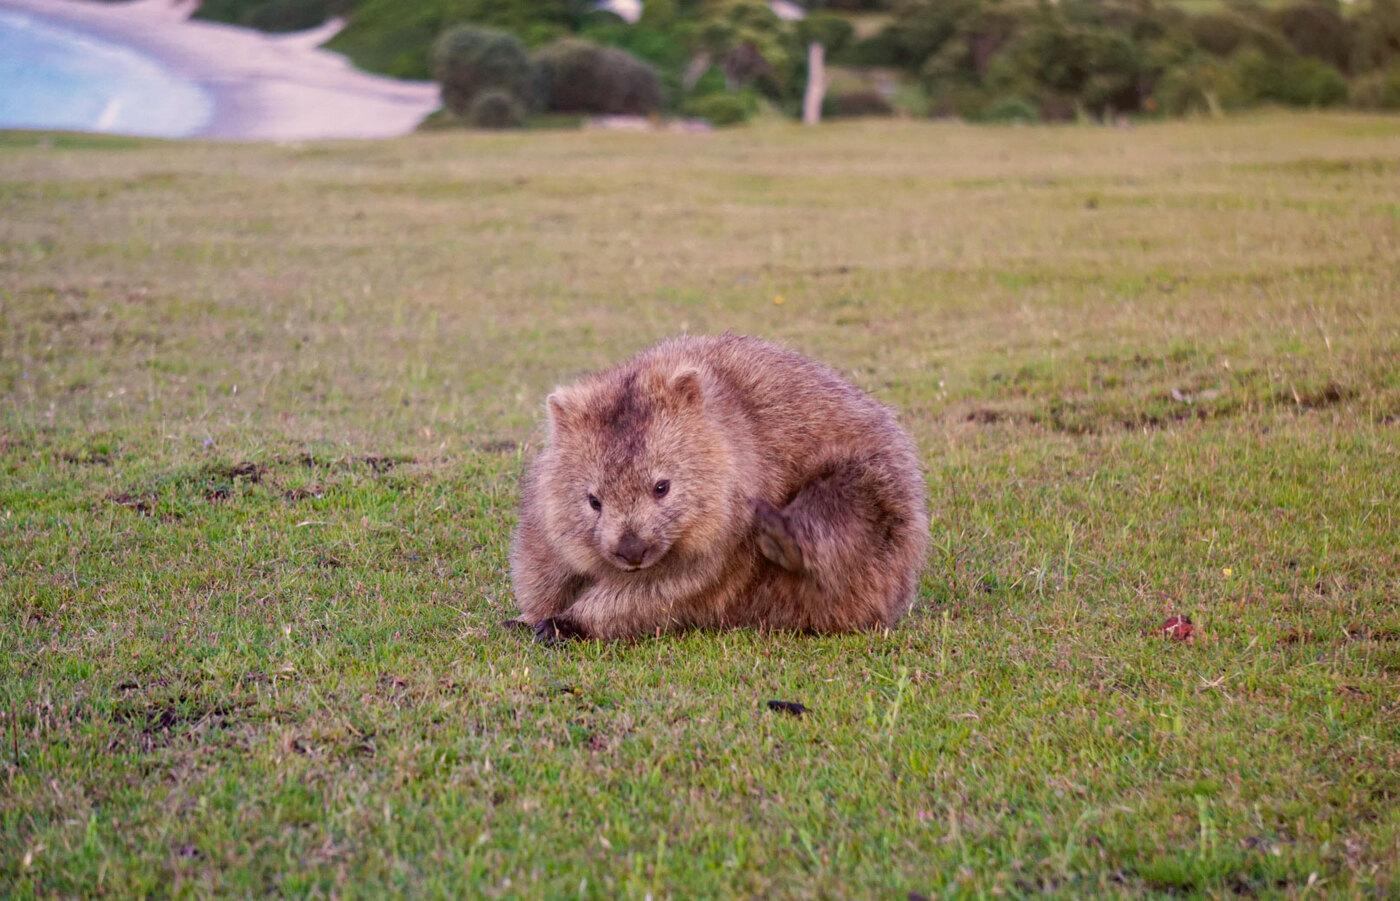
{"x": 53, "y": 77}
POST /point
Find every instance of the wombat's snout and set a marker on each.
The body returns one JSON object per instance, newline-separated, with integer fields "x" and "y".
{"x": 631, "y": 549}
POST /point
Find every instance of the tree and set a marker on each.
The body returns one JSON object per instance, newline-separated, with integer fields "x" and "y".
{"x": 748, "y": 41}
{"x": 580, "y": 76}
{"x": 468, "y": 61}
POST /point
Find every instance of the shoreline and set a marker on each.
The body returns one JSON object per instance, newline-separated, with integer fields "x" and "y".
{"x": 263, "y": 87}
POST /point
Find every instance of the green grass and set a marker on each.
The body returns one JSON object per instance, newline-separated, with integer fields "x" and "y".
{"x": 263, "y": 410}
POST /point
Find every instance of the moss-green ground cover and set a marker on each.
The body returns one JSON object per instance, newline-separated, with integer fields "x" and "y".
{"x": 263, "y": 410}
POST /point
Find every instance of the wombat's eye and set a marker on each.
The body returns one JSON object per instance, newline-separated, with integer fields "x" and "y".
{"x": 594, "y": 502}
{"x": 661, "y": 488}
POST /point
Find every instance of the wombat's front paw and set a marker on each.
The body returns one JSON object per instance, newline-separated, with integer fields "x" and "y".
{"x": 556, "y": 630}
{"x": 775, "y": 540}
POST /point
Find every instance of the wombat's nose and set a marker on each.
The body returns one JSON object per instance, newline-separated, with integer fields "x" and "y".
{"x": 631, "y": 549}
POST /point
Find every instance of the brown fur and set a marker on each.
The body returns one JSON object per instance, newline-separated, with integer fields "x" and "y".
{"x": 795, "y": 500}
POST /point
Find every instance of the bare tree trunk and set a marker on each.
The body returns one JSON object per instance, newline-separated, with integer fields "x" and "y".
{"x": 699, "y": 65}
{"x": 816, "y": 84}
{"x": 1213, "y": 104}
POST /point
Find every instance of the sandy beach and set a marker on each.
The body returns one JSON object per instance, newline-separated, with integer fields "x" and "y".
{"x": 264, "y": 87}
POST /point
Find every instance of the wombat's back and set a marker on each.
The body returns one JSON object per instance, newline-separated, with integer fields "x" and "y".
{"x": 801, "y": 413}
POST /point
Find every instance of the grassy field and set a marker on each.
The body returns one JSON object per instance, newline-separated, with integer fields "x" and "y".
{"x": 263, "y": 410}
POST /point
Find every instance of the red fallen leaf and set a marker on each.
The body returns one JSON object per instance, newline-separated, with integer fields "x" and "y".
{"x": 1179, "y": 627}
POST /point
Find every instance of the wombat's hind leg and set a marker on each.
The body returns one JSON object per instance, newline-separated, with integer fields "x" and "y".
{"x": 854, "y": 542}
{"x": 775, "y": 538}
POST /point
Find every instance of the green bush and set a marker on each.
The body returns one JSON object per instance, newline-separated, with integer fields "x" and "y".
{"x": 711, "y": 82}
{"x": 923, "y": 27}
{"x": 270, "y": 15}
{"x": 468, "y": 61}
{"x": 860, "y": 5}
{"x": 855, "y": 104}
{"x": 1219, "y": 33}
{"x": 1376, "y": 40}
{"x": 1093, "y": 66}
{"x": 1203, "y": 85}
{"x": 1316, "y": 29}
{"x": 978, "y": 64}
{"x": 751, "y": 45}
{"x": 1059, "y": 108}
{"x": 396, "y": 37}
{"x": 1293, "y": 81}
{"x": 579, "y": 76}
{"x": 722, "y": 109}
{"x": 957, "y": 98}
{"x": 665, "y": 48}
{"x": 883, "y": 48}
{"x": 1011, "y": 109}
{"x": 833, "y": 33}
{"x": 1379, "y": 90}
{"x": 495, "y": 108}
{"x": 1226, "y": 33}
{"x": 659, "y": 14}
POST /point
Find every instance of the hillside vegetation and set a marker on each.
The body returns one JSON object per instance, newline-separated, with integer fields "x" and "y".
{"x": 263, "y": 410}
{"x": 977, "y": 59}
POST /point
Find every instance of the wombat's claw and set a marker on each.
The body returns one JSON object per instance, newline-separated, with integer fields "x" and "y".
{"x": 556, "y": 631}
{"x": 774, "y": 540}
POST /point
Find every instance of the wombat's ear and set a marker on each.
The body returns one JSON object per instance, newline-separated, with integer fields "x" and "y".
{"x": 687, "y": 388}
{"x": 563, "y": 409}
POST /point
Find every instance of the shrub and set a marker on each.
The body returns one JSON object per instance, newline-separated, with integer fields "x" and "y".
{"x": 823, "y": 28}
{"x": 290, "y": 15}
{"x": 1225, "y": 33}
{"x": 711, "y": 82}
{"x": 1377, "y": 36}
{"x": 1220, "y": 33}
{"x": 268, "y": 15}
{"x": 1202, "y": 86}
{"x": 1377, "y": 90}
{"x": 722, "y": 109}
{"x": 957, "y": 98}
{"x": 468, "y": 61}
{"x": 750, "y": 44}
{"x": 396, "y": 37}
{"x": 1294, "y": 81}
{"x": 853, "y": 104}
{"x": 1089, "y": 65}
{"x": 579, "y": 76}
{"x": 923, "y": 27}
{"x": 664, "y": 48}
{"x": 910, "y": 99}
{"x": 659, "y": 14}
{"x": 1011, "y": 109}
{"x": 883, "y": 48}
{"x": 496, "y": 108}
{"x": 1059, "y": 108}
{"x": 1315, "y": 29}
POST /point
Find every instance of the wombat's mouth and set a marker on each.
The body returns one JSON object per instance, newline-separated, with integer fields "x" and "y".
{"x": 648, "y": 559}
{"x": 632, "y": 567}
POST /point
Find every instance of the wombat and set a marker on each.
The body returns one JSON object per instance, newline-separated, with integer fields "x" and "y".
{"x": 718, "y": 482}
